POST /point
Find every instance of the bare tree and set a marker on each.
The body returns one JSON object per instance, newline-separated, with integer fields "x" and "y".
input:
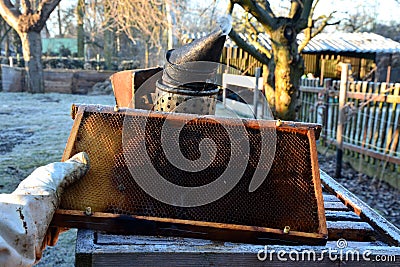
{"x": 200, "y": 18}
{"x": 361, "y": 18}
{"x": 91, "y": 26}
{"x": 28, "y": 19}
{"x": 284, "y": 63}
{"x": 5, "y": 31}
{"x": 145, "y": 21}
{"x": 80, "y": 11}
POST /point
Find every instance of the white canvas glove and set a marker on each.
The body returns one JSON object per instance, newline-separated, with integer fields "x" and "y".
{"x": 26, "y": 213}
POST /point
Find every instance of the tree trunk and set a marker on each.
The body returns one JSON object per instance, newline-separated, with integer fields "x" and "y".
{"x": 7, "y": 46}
{"x": 170, "y": 29}
{"x": 81, "y": 33}
{"x": 285, "y": 72}
{"x": 146, "y": 55}
{"x": 60, "y": 32}
{"x": 108, "y": 48}
{"x": 32, "y": 50}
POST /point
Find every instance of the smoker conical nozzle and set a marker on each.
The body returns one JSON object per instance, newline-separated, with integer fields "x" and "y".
{"x": 207, "y": 48}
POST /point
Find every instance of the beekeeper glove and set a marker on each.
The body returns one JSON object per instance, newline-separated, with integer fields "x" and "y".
{"x": 26, "y": 213}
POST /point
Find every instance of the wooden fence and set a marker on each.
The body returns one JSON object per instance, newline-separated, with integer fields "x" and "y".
{"x": 371, "y": 125}
{"x": 241, "y": 60}
{"x": 55, "y": 80}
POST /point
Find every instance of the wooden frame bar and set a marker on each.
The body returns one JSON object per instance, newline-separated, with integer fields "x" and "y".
{"x": 133, "y": 224}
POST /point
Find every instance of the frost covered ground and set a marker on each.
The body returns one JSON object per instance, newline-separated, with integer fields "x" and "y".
{"x": 33, "y": 132}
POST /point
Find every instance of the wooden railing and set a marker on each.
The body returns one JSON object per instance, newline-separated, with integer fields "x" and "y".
{"x": 371, "y": 120}
{"x": 370, "y": 126}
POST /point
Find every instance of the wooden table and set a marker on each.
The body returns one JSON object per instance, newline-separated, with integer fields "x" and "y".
{"x": 362, "y": 234}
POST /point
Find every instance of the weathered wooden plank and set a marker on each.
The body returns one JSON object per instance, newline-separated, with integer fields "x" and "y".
{"x": 73, "y": 81}
{"x": 139, "y": 240}
{"x": 13, "y": 79}
{"x": 311, "y": 89}
{"x": 370, "y": 153}
{"x": 358, "y": 117}
{"x": 93, "y": 76}
{"x": 391, "y": 123}
{"x": 335, "y": 112}
{"x": 83, "y": 81}
{"x": 355, "y": 231}
{"x": 242, "y": 81}
{"x": 361, "y": 138}
{"x": 96, "y": 249}
{"x": 380, "y": 224}
{"x": 58, "y": 75}
{"x": 58, "y": 87}
{"x": 349, "y": 120}
{"x": 330, "y": 198}
{"x": 325, "y": 120}
{"x": 378, "y": 120}
{"x": 373, "y": 121}
{"x": 335, "y": 206}
{"x": 341, "y": 216}
{"x": 375, "y": 97}
{"x": 385, "y": 127}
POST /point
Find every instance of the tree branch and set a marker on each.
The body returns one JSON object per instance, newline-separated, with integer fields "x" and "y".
{"x": 9, "y": 13}
{"x": 261, "y": 48}
{"x": 266, "y": 18}
{"x": 5, "y": 34}
{"x": 26, "y": 7}
{"x": 45, "y": 8}
{"x": 309, "y": 33}
{"x": 295, "y": 9}
{"x": 302, "y": 22}
{"x": 249, "y": 48}
{"x": 229, "y": 9}
{"x": 267, "y": 7}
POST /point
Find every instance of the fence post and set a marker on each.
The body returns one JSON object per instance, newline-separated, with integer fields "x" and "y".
{"x": 224, "y": 89}
{"x": 340, "y": 127}
{"x": 327, "y": 86}
{"x": 255, "y": 96}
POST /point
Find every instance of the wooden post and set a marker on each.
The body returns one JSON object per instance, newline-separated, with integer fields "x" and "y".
{"x": 228, "y": 61}
{"x": 327, "y": 85}
{"x": 389, "y": 69}
{"x": 255, "y": 96}
{"x": 321, "y": 79}
{"x": 340, "y": 127}
{"x": 224, "y": 89}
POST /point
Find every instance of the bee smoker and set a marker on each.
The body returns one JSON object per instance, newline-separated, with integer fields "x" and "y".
{"x": 188, "y": 81}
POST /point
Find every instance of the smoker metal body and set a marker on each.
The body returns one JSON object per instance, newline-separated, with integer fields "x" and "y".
{"x": 189, "y": 76}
